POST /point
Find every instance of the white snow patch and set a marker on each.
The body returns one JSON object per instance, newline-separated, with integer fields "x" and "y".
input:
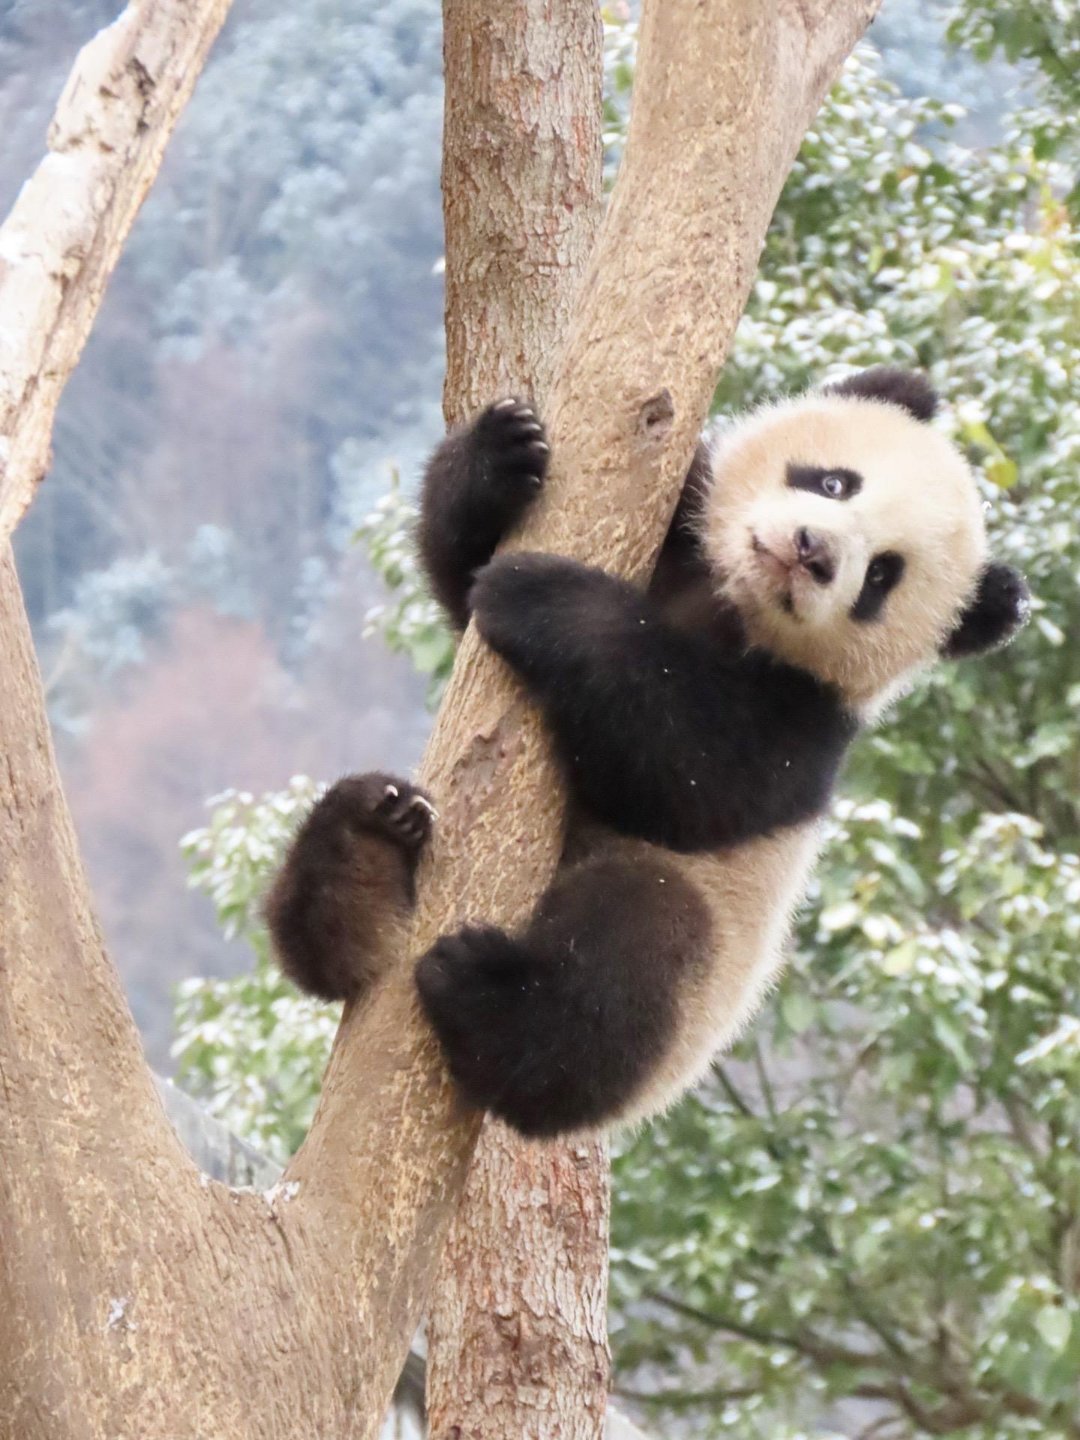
{"x": 117, "y": 1318}
{"x": 283, "y": 1190}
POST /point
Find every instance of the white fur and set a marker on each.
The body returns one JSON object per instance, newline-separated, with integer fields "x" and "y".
{"x": 919, "y": 499}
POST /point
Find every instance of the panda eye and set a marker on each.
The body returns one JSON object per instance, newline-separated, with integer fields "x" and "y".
{"x": 882, "y": 576}
{"x": 833, "y": 485}
{"x": 832, "y": 481}
{"x": 884, "y": 571}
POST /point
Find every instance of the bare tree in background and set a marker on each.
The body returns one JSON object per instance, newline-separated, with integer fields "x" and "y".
{"x": 135, "y": 1299}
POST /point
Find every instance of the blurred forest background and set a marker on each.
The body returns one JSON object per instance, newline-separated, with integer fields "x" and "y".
{"x": 867, "y": 1224}
{"x": 269, "y": 354}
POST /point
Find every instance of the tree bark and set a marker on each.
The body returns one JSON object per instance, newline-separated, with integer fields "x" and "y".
{"x": 134, "y": 1299}
{"x": 517, "y": 1326}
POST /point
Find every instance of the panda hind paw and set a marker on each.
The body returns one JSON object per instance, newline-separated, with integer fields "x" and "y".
{"x": 477, "y": 988}
{"x": 405, "y": 814}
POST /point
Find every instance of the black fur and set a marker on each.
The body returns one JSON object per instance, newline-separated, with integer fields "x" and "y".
{"x": 347, "y": 877}
{"x": 1000, "y": 606}
{"x": 669, "y": 729}
{"x": 683, "y": 585}
{"x": 814, "y": 478}
{"x": 557, "y": 1030}
{"x": 883, "y": 574}
{"x": 661, "y": 736}
{"x": 477, "y": 486}
{"x": 906, "y": 388}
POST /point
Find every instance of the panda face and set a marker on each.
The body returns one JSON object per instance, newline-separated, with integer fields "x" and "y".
{"x": 848, "y": 534}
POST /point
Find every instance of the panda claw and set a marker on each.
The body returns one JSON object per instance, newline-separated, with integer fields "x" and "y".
{"x": 404, "y": 814}
{"x": 510, "y": 438}
{"x": 389, "y": 796}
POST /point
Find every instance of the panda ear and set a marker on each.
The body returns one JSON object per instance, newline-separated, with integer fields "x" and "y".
{"x": 1000, "y": 606}
{"x": 906, "y": 388}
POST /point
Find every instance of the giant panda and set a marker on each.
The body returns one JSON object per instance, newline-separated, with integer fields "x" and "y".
{"x": 825, "y": 550}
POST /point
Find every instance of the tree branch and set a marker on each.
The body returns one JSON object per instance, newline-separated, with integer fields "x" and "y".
{"x": 62, "y": 240}
{"x": 131, "y": 1292}
{"x": 802, "y": 1342}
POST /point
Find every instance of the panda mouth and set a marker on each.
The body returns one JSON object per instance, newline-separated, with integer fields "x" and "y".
{"x": 768, "y": 559}
{"x": 778, "y": 572}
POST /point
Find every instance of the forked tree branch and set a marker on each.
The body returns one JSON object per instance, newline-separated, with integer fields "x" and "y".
{"x": 134, "y": 1300}
{"x": 724, "y": 93}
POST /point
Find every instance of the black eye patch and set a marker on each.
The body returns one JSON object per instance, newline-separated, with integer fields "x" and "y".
{"x": 882, "y": 575}
{"x": 832, "y": 481}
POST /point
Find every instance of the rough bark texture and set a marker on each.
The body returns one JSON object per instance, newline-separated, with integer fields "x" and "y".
{"x": 517, "y": 1327}
{"x": 522, "y": 176}
{"x": 136, "y": 1301}
{"x": 224, "y": 1157}
{"x": 60, "y": 243}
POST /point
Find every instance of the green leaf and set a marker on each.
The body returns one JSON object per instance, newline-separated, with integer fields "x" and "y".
{"x": 798, "y": 1010}
{"x": 1054, "y": 1327}
{"x": 1003, "y": 472}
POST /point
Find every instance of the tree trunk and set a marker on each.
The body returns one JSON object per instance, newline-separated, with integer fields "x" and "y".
{"x": 134, "y": 1299}
{"x": 517, "y": 1328}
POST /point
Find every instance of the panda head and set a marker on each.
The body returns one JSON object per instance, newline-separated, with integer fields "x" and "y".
{"x": 848, "y": 534}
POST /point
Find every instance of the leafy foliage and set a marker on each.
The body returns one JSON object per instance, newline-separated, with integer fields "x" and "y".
{"x": 1045, "y": 32}
{"x": 876, "y": 1199}
{"x": 250, "y": 1048}
{"x": 414, "y": 625}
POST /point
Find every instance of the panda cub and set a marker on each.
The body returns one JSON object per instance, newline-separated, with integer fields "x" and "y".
{"x": 826, "y": 550}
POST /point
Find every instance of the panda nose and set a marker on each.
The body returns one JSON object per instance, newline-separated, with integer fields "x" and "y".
{"x": 814, "y": 555}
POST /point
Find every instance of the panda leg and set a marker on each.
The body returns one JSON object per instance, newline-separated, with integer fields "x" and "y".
{"x": 477, "y": 486}
{"x": 347, "y": 884}
{"x": 560, "y": 1029}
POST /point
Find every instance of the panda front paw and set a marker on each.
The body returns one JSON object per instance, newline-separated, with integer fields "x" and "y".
{"x": 509, "y": 600}
{"x": 533, "y": 608}
{"x": 513, "y": 449}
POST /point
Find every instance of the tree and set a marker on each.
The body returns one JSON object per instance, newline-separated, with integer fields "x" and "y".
{"x": 164, "y": 1297}
{"x": 868, "y": 1218}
